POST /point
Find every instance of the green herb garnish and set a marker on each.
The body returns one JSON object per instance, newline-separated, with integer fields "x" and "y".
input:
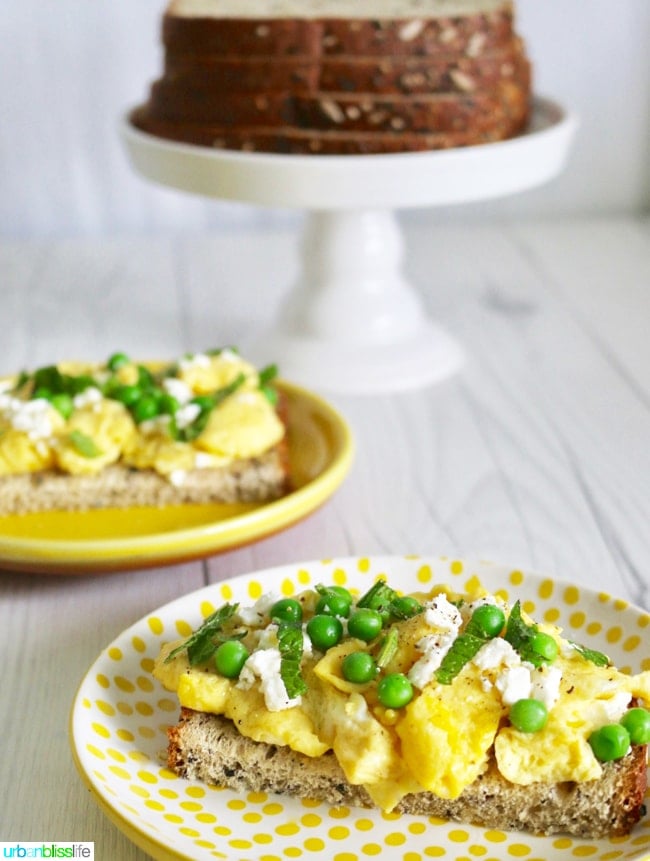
{"x": 484, "y": 624}
{"x": 209, "y": 402}
{"x": 22, "y": 380}
{"x": 464, "y": 647}
{"x": 83, "y": 444}
{"x": 203, "y": 642}
{"x": 520, "y": 636}
{"x": 379, "y": 597}
{"x": 290, "y": 644}
{"x": 388, "y": 649}
{"x": 597, "y": 658}
{"x": 50, "y": 381}
{"x": 266, "y": 377}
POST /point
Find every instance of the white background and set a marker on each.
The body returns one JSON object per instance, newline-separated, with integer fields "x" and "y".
{"x": 70, "y": 68}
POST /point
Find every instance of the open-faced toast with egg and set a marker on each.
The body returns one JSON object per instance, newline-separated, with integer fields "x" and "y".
{"x": 207, "y": 428}
{"x": 437, "y": 704}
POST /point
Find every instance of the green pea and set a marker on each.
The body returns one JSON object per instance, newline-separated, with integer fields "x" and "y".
{"x": 117, "y": 360}
{"x": 544, "y": 645}
{"x": 146, "y": 408}
{"x": 395, "y": 691}
{"x": 489, "y": 619}
{"x": 42, "y": 393}
{"x": 63, "y": 403}
{"x": 167, "y": 404}
{"x": 405, "y": 607}
{"x": 230, "y": 658}
{"x": 365, "y": 624}
{"x": 528, "y": 715}
{"x": 342, "y": 592}
{"x": 286, "y": 610}
{"x": 336, "y": 601}
{"x": 610, "y": 742}
{"x": 324, "y": 631}
{"x": 637, "y": 722}
{"x": 359, "y": 668}
{"x": 127, "y": 395}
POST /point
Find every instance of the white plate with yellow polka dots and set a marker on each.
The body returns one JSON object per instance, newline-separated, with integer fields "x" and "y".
{"x": 120, "y": 715}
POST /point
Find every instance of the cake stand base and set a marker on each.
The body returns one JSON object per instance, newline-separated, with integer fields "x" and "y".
{"x": 428, "y": 356}
{"x": 353, "y": 323}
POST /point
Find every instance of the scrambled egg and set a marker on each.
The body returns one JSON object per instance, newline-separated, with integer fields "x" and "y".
{"x": 448, "y": 733}
{"x": 82, "y": 429}
{"x": 109, "y": 428}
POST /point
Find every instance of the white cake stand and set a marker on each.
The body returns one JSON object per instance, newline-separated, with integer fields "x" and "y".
{"x": 352, "y": 323}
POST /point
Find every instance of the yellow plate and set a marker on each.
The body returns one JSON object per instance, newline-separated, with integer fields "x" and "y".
{"x": 119, "y": 716}
{"x": 57, "y": 542}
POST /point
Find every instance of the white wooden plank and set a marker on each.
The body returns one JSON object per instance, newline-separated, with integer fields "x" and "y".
{"x": 549, "y": 403}
{"x": 600, "y": 270}
{"x": 85, "y": 298}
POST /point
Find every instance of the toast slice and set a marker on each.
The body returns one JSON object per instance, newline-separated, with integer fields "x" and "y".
{"x": 74, "y": 437}
{"x": 257, "y": 479}
{"x": 209, "y": 748}
{"x": 444, "y": 704}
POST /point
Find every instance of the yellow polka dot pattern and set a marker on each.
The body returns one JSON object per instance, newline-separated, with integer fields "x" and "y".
{"x": 120, "y": 717}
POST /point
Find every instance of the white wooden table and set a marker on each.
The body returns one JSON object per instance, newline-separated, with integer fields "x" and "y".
{"x": 537, "y": 454}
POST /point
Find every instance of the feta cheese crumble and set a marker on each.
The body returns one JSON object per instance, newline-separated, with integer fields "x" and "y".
{"x": 445, "y": 617}
{"x": 90, "y": 397}
{"x": 178, "y": 389}
{"x": 31, "y": 417}
{"x": 186, "y": 414}
{"x": 255, "y": 615}
{"x": 265, "y": 665}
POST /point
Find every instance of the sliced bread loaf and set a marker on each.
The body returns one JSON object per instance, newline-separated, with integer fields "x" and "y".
{"x": 454, "y": 70}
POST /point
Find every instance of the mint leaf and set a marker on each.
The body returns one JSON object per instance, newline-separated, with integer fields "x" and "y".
{"x": 290, "y": 644}
{"x": 520, "y": 634}
{"x": 464, "y": 647}
{"x": 192, "y": 431}
{"x": 203, "y": 642}
{"x": 388, "y": 648}
{"x": 597, "y": 658}
{"x": 379, "y": 597}
{"x": 83, "y": 444}
{"x": 267, "y": 375}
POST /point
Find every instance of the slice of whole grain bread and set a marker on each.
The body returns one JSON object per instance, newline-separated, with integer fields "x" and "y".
{"x": 209, "y": 748}
{"x": 256, "y": 479}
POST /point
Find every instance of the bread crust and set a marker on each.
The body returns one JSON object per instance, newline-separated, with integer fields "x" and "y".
{"x": 209, "y": 748}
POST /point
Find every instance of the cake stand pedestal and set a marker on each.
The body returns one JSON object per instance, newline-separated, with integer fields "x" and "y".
{"x": 352, "y": 323}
